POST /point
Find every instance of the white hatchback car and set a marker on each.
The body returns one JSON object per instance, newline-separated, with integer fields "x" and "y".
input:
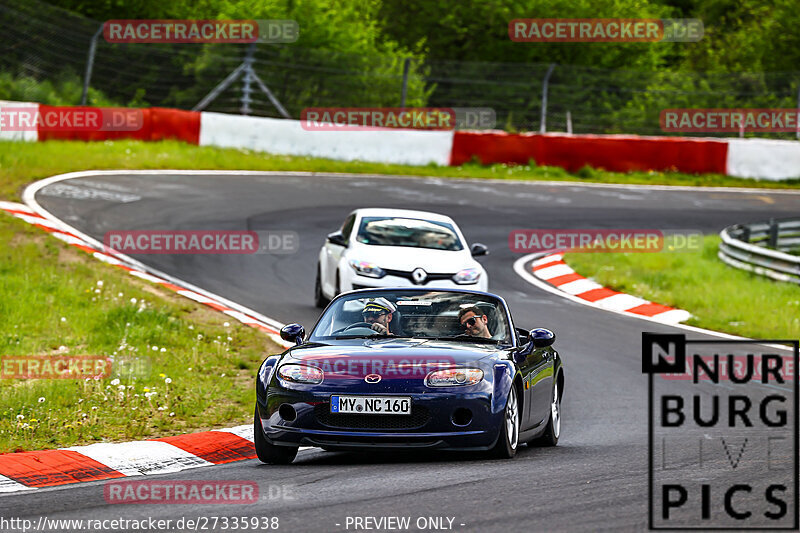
{"x": 397, "y": 248}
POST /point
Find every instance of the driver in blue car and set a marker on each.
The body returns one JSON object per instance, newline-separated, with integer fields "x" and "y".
{"x": 475, "y": 322}
{"x": 378, "y": 314}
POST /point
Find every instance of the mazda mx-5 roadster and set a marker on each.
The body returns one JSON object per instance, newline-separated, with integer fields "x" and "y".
{"x": 410, "y": 368}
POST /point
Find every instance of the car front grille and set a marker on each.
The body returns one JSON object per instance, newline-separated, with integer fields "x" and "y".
{"x": 407, "y": 275}
{"x": 419, "y": 417}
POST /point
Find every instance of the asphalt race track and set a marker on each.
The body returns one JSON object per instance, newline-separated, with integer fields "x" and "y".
{"x": 596, "y": 479}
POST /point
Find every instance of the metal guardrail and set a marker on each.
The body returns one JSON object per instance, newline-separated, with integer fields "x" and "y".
{"x": 761, "y": 248}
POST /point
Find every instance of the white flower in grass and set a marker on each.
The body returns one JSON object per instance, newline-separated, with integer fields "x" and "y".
{"x": 20, "y": 417}
{"x": 133, "y": 300}
{"x": 115, "y": 382}
{"x": 63, "y": 349}
{"x": 162, "y": 408}
{"x": 97, "y": 291}
{"x": 230, "y": 339}
{"x": 100, "y": 283}
{"x": 227, "y": 324}
{"x": 163, "y": 350}
{"x": 41, "y": 399}
{"x": 191, "y": 326}
{"x": 94, "y": 408}
{"x": 63, "y": 319}
{"x": 189, "y": 369}
{"x": 121, "y": 387}
{"x": 222, "y": 375}
{"x": 80, "y": 400}
{"x": 155, "y": 348}
{"x": 168, "y": 381}
{"x": 199, "y": 336}
{"x": 172, "y": 413}
{"x": 120, "y": 295}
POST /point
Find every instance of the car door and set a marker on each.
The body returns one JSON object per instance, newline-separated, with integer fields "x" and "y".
{"x": 537, "y": 379}
{"x": 333, "y": 254}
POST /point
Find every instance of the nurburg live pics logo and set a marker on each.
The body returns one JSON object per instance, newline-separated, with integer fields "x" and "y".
{"x": 722, "y": 433}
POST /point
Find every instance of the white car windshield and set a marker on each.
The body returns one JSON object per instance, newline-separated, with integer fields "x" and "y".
{"x": 416, "y": 233}
{"x": 446, "y": 315}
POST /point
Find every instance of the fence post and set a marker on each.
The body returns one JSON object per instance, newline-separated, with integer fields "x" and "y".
{"x": 247, "y": 80}
{"x": 773, "y": 234}
{"x": 406, "y": 66}
{"x": 798, "y": 108}
{"x": 543, "y": 124}
{"x": 89, "y": 64}
{"x": 569, "y": 123}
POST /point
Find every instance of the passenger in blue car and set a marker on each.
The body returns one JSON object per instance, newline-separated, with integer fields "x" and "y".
{"x": 475, "y": 322}
{"x": 378, "y": 313}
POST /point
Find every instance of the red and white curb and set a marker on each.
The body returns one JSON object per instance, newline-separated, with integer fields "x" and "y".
{"x": 552, "y": 269}
{"x": 30, "y": 470}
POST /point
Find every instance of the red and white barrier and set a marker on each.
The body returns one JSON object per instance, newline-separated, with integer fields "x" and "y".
{"x": 746, "y": 158}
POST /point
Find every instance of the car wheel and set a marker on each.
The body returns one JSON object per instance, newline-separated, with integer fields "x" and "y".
{"x": 508, "y": 441}
{"x": 553, "y": 430}
{"x": 319, "y": 298}
{"x": 268, "y": 452}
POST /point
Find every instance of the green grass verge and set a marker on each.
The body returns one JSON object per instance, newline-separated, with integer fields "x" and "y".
{"x": 720, "y": 297}
{"x": 21, "y": 163}
{"x": 180, "y": 367}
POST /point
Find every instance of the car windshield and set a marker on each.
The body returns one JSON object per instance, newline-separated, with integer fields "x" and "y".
{"x": 443, "y": 315}
{"x": 416, "y": 233}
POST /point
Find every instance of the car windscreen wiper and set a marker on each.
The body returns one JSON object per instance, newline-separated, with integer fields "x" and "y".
{"x": 373, "y": 336}
{"x": 465, "y": 338}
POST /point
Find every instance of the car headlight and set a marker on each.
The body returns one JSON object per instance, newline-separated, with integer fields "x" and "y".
{"x": 467, "y": 276}
{"x": 301, "y": 374}
{"x": 371, "y": 270}
{"x": 454, "y": 377}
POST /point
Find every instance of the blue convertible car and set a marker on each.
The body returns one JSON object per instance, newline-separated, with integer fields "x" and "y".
{"x": 410, "y": 368}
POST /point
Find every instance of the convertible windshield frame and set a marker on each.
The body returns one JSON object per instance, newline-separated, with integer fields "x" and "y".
{"x": 444, "y": 304}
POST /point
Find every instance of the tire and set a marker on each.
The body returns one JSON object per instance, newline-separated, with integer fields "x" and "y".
{"x": 553, "y": 430}
{"x": 508, "y": 441}
{"x": 269, "y": 453}
{"x": 319, "y": 298}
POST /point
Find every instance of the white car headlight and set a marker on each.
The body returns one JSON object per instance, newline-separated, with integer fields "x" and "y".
{"x": 467, "y": 276}
{"x": 301, "y": 374}
{"x": 371, "y": 270}
{"x": 454, "y": 377}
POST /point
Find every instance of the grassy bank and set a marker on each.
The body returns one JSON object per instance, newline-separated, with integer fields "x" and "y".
{"x": 21, "y": 163}
{"x": 720, "y": 297}
{"x": 177, "y": 366}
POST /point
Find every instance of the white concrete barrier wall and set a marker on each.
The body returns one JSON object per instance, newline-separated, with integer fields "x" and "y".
{"x": 766, "y": 159}
{"x": 287, "y": 137}
{"x": 27, "y": 136}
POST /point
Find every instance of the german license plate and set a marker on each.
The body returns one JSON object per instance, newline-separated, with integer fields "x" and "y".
{"x": 371, "y": 405}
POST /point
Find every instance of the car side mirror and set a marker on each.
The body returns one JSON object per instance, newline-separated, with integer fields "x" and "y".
{"x": 293, "y": 333}
{"x": 479, "y": 249}
{"x": 337, "y": 238}
{"x": 541, "y": 337}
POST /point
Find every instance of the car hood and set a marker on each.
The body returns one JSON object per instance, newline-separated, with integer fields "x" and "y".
{"x": 407, "y": 258}
{"x": 404, "y": 357}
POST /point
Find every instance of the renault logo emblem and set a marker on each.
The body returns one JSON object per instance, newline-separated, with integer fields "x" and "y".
{"x": 372, "y": 378}
{"x": 419, "y": 276}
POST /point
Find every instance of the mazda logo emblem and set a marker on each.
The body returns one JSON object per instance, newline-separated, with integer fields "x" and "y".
{"x": 372, "y": 378}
